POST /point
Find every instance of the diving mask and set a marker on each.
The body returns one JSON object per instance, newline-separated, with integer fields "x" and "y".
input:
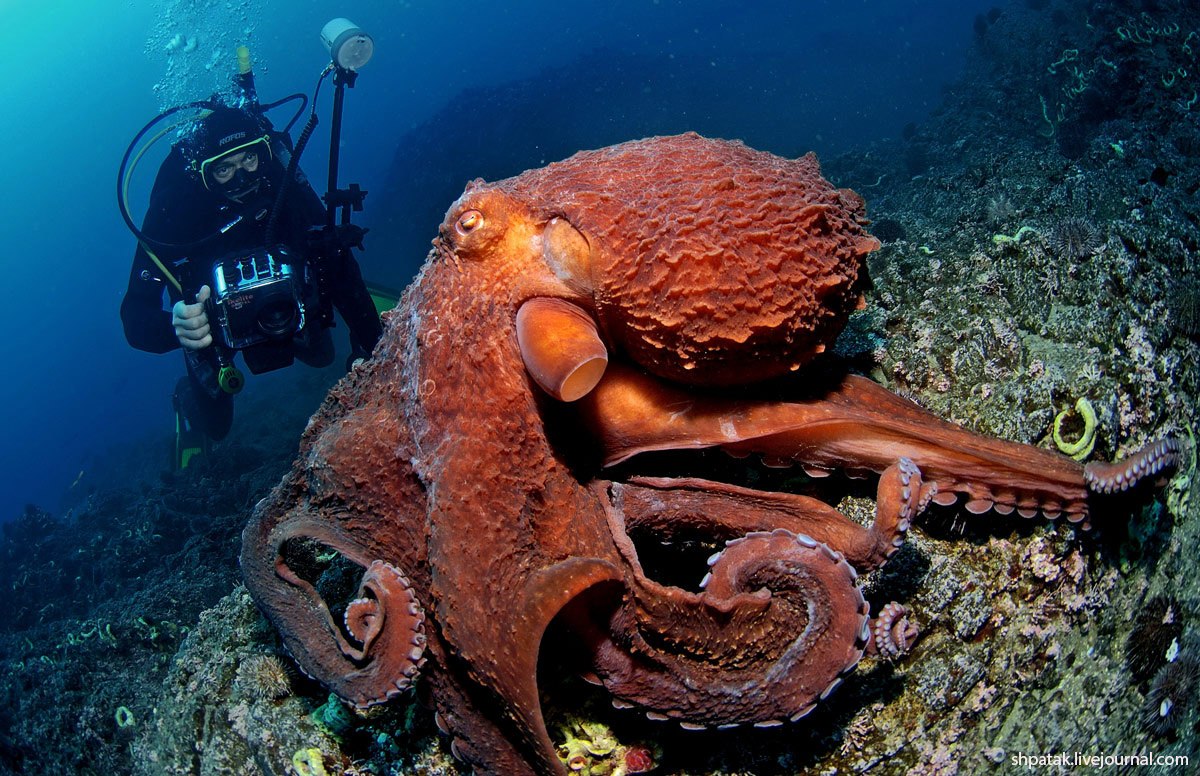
{"x": 237, "y": 172}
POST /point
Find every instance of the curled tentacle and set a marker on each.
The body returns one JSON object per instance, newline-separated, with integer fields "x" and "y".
{"x": 1118, "y": 476}
{"x": 377, "y": 653}
{"x": 688, "y": 657}
{"x": 385, "y": 597}
{"x": 901, "y": 497}
{"x": 892, "y": 633}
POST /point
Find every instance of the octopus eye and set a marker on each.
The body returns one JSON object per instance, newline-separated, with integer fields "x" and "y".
{"x": 469, "y": 221}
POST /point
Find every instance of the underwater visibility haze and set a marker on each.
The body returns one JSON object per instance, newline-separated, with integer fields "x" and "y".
{"x": 82, "y": 390}
{"x": 987, "y": 273}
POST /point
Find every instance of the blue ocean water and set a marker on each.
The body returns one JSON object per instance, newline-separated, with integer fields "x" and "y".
{"x": 84, "y": 77}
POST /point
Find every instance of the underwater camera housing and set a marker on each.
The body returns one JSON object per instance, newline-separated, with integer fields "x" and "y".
{"x": 258, "y": 300}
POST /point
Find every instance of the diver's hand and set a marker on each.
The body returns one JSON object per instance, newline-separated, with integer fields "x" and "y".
{"x": 191, "y": 322}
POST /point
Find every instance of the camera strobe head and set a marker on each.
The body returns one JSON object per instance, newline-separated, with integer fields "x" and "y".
{"x": 349, "y": 46}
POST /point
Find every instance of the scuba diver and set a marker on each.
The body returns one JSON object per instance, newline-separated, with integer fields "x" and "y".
{"x": 249, "y": 259}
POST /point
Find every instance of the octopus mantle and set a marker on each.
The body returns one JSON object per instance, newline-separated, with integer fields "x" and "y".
{"x": 664, "y": 294}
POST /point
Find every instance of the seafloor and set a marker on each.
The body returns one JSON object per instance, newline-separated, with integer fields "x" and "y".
{"x": 1040, "y": 247}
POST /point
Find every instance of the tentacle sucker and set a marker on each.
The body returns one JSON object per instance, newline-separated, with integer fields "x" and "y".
{"x": 387, "y": 620}
{"x": 1122, "y": 475}
{"x": 892, "y": 633}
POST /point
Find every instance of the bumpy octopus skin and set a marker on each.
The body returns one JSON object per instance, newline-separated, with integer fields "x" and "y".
{"x": 707, "y": 264}
{"x": 595, "y": 309}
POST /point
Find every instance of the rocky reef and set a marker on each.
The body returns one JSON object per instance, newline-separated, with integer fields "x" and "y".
{"x": 1040, "y": 248}
{"x": 100, "y": 599}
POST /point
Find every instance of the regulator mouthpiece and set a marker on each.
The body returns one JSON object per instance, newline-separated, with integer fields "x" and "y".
{"x": 349, "y": 46}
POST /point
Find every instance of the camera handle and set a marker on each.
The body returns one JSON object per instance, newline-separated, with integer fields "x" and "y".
{"x": 337, "y": 238}
{"x": 350, "y": 198}
{"x": 229, "y": 377}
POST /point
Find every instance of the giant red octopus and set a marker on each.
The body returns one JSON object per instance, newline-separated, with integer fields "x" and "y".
{"x": 666, "y": 294}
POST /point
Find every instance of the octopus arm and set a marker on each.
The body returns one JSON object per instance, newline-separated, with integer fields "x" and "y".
{"x": 853, "y": 424}
{"x": 378, "y": 653}
{"x": 673, "y": 509}
{"x": 474, "y": 735}
{"x": 508, "y": 670}
{"x": 779, "y": 622}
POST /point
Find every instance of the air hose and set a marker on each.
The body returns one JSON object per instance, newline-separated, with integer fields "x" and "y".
{"x": 289, "y": 176}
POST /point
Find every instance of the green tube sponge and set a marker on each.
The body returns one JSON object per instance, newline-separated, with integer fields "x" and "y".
{"x": 309, "y": 762}
{"x": 1082, "y": 447}
{"x": 124, "y": 717}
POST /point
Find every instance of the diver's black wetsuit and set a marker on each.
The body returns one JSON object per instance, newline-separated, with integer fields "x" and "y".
{"x": 182, "y": 212}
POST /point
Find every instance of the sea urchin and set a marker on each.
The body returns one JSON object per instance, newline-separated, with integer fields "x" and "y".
{"x": 1158, "y": 625}
{"x": 1172, "y": 693}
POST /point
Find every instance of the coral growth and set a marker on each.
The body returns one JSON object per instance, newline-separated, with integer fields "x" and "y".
{"x": 1185, "y": 303}
{"x": 263, "y": 678}
{"x": 1085, "y": 441}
